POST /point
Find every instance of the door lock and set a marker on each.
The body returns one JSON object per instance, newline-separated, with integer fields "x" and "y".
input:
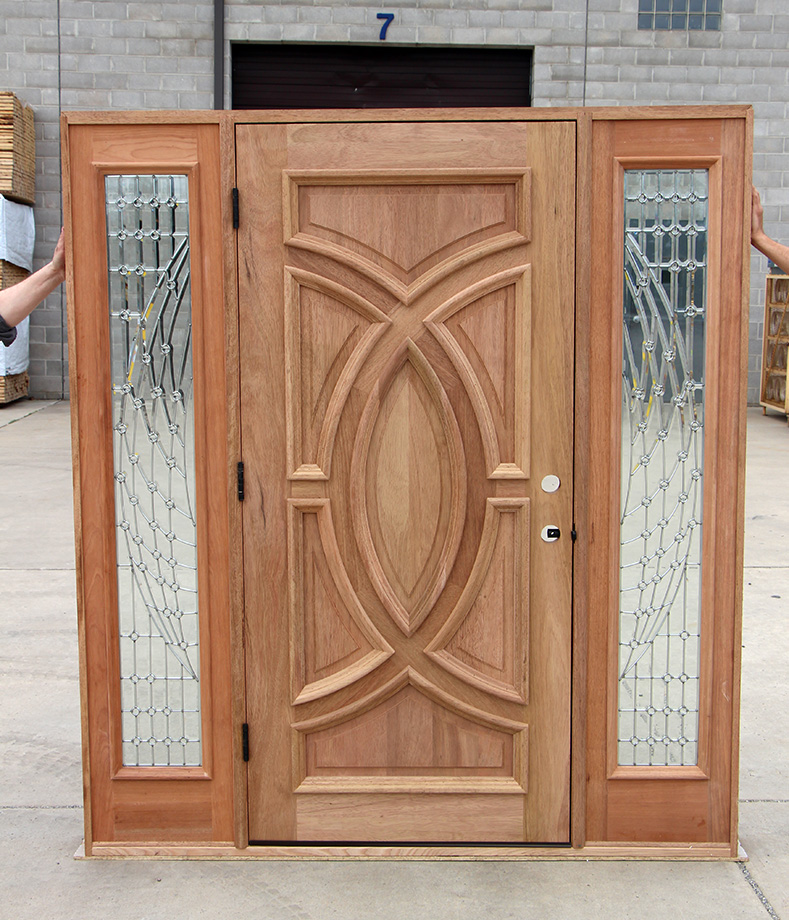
{"x": 551, "y": 533}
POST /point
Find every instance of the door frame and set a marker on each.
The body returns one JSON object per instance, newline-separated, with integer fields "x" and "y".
{"x": 614, "y": 810}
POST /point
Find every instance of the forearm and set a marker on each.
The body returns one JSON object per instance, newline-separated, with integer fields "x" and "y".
{"x": 21, "y": 299}
{"x": 776, "y": 252}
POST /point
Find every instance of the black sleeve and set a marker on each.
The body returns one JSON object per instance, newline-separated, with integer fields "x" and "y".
{"x": 7, "y": 333}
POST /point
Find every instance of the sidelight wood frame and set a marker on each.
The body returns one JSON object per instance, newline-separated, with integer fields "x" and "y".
{"x": 616, "y": 812}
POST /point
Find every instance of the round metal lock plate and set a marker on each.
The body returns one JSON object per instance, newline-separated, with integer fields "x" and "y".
{"x": 550, "y": 533}
{"x": 550, "y": 483}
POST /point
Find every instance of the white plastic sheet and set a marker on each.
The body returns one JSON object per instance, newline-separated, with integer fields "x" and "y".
{"x": 15, "y": 358}
{"x": 17, "y": 233}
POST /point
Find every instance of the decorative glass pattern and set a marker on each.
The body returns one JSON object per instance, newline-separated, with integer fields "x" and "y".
{"x": 665, "y": 263}
{"x": 151, "y": 369}
{"x": 686, "y": 15}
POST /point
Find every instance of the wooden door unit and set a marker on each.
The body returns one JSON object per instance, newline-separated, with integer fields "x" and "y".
{"x": 408, "y": 673}
{"x": 410, "y": 324}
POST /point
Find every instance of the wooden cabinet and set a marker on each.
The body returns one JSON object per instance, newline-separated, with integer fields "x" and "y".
{"x": 773, "y": 393}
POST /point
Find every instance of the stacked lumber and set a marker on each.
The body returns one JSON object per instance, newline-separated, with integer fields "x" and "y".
{"x": 17, "y": 150}
{"x": 13, "y": 386}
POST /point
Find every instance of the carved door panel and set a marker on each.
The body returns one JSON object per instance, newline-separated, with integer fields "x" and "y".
{"x": 406, "y": 304}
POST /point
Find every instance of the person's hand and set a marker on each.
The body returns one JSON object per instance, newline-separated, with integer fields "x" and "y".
{"x": 59, "y": 257}
{"x": 757, "y": 215}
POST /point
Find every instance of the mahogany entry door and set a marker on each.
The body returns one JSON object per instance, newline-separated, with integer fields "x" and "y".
{"x": 406, "y": 309}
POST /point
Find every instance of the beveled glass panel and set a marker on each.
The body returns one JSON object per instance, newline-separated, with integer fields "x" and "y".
{"x": 664, "y": 310}
{"x": 153, "y": 448}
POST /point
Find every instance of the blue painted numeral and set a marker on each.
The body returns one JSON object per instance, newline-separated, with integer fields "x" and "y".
{"x": 387, "y": 17}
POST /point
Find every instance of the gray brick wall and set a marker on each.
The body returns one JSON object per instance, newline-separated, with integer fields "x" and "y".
{"x": 137, "y": 54}
{"x": 96, "y": 54}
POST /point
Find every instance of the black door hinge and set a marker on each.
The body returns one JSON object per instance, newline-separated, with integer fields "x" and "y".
{"x": 240, "y": 480}
{"x": 574, "y": 534}
{"x": 245, "y": 741}
{"x": 235, "y": 209}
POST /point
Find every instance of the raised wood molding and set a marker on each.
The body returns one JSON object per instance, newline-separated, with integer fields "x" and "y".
{"x": 409, "y": 367}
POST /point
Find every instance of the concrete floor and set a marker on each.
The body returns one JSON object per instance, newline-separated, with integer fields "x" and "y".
{"x": 40, "y": 774}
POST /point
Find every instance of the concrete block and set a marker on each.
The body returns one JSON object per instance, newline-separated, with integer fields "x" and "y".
{"x": 144, "y": 46}
{"x": 468, "y": 36}
{"x": 508, "y": 5}
{"x": 431, "y": 35}
{"x": 651, "y": 92}
{"x": 501, "y": 37}
{"x": 189, "y": 29}
{"x": 560, "y": 72}
{"x": 633, "y": 74}
{"x": 41, "y": 45}
{"x": 705, "y": 39}
{"x": 653, "y": 56}
{"x": 520, "y": 19}
{"x": 343, "y": 15}
{"x": 733, "y": 40}
{"x": 280, "y": 14}
{"x": 264, "y": 32}
{"x": 178, "y": 47}
{"x": 145, "y": 10}
{"x": 182, "y": 12}
{"x": 683, "y": 93}
{"x": 196, "y": 100}
{"x": 485, "y": 19}
{"x": 666, "y": 74}
{"x": 618, "y": 94}
{"x": 94, "y": 63}
{"x": 452, "y": 19}
{"x": 754, "y": 23}
{"x": 158, "y": 64}
{"x": 619, "y": 56}
{"x": 537, "y": 38}
{"x": 127, "y": 99}
{"x": 413, "y": 17}
{"x": 686, "y": 57}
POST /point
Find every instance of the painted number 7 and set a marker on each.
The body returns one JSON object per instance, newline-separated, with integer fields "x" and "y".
{"x": 387, "y": 17}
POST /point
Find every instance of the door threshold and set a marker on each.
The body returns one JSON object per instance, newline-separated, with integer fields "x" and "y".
{"x": 596, "y": 851}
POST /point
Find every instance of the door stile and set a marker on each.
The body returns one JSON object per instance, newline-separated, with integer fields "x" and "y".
{"x": 228, "y": 181}
{"x": 582, "y": 521}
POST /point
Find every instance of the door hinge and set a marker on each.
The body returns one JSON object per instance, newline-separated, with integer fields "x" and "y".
{"x": 240, "y": 480}
{"x": 245, "y": 741}
{"x": 235, "y": 209}
{"x": 574, "y": 534}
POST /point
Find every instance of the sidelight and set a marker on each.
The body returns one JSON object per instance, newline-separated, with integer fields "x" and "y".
{"x": 153, "y": 450}
{"x": 663, "y": 371}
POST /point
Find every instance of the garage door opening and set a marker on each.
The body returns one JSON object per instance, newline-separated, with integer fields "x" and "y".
{"x": 266, "y": 76}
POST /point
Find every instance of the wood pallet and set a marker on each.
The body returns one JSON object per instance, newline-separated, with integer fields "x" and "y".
{"x": 14, "y": 386}
{"x": 17, "y": 150}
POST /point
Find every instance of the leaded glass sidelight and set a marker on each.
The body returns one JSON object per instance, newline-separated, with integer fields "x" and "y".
{"x": 153, "y": 441}
{"x": 665, "y": 276}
